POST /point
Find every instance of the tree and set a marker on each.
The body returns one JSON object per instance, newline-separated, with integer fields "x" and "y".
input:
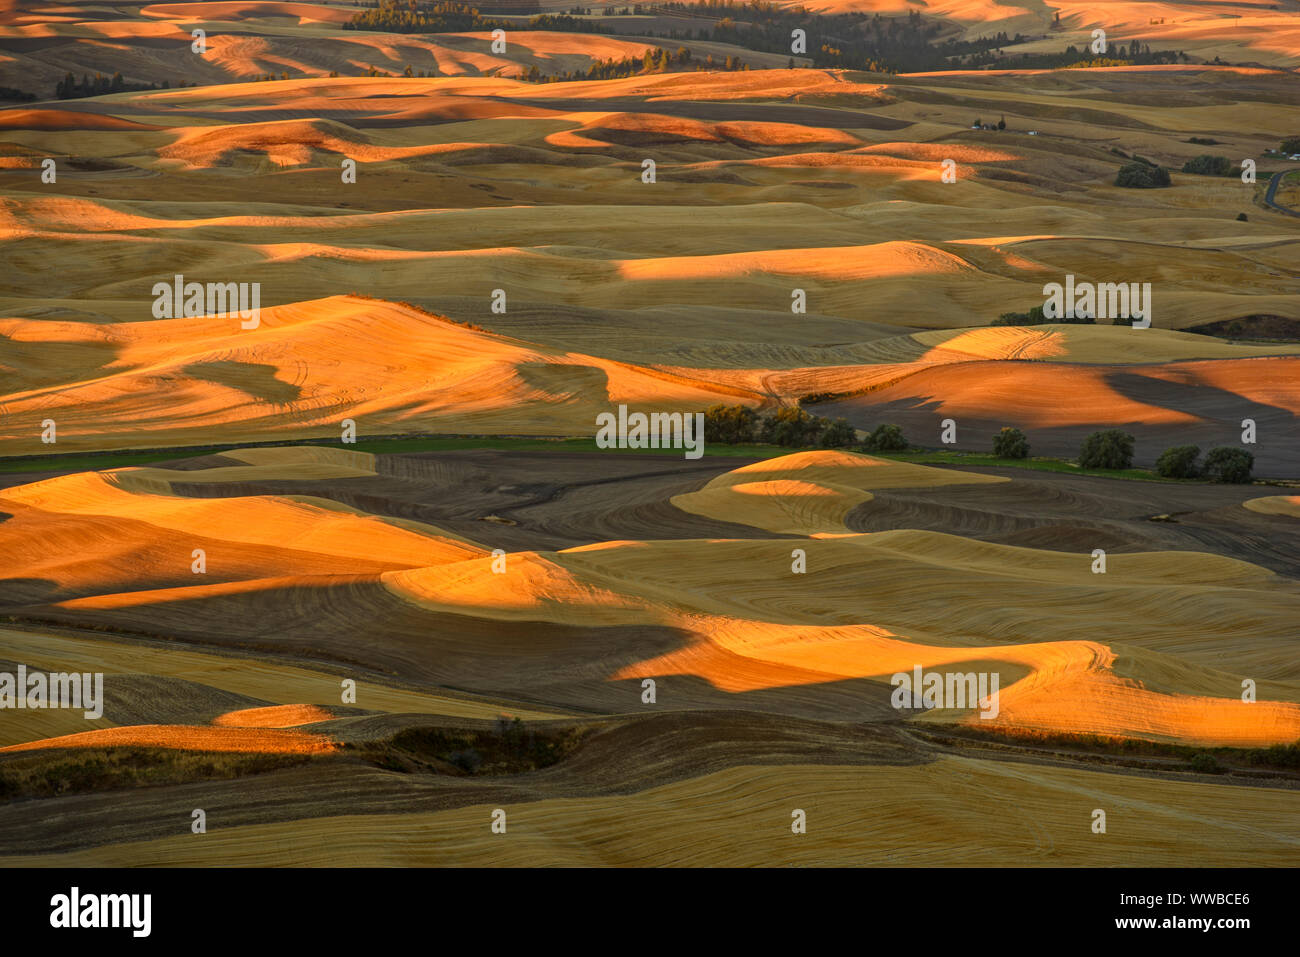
{"x": 790, "y": 65}
{"x": 408, "y": 71}
{"x": 791, "y": 427}
{"x": 729, "y": 424}
{"x": 1178, "y": 462}
{"x": 1108, "y": 449}
{"x": 1140, "y": 175}
{"x": 838, "y": 435}
{"x": 1207, "y": 165}
{"x": 1291, "y": 144}
{"x": 1002, "y": 123}
{"x": 1036, "y": 317}
{"x": 978, "y": 122}
{"x": 885, "y": 438}
{"x": 1010, "y": 443}
{"x": 1228, "y": 464}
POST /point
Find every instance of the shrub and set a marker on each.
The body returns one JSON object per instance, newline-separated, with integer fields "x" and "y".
{"x": 1142, "y": 176}
{"x": 1010, "y": 444}
{"x": 1108, "y": 449}
{"x": 1241, "y": 218}
{"x": 1277, "y": 755}
{"x": 1207, "y": 165}
{"x": 1228, "y": 464}
{"x": 1205, "y": 763}
{"x": 886, "y": 438}
{"x": 1179, "y": 462}
{"x": 838, "y": 435}
{"x": 729, "y": 424}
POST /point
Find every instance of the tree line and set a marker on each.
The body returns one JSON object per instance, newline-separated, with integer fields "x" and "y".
{"x": 657, "y": 60}
{"x": 1110, "y": 449}
{"x": 69, "y": 88}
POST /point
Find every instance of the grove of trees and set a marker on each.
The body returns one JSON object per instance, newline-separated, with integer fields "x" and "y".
{"x": 1142, "y": 175}
{"x": 1207, "y": 165}
{"x": 70, "y": 88}
{"x": 790, "y": 426}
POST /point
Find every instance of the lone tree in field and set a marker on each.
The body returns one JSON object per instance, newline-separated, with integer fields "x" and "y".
{"x": 1108, "y": 449}
{"x": 1228, "y": 464}
{"x": 886, "y": 438}
{"x": 1179, "y": 462}
{"x": 1010, "y": 444}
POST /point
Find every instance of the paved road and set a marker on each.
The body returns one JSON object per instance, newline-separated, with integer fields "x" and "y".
{"x": 1272, "y": 188}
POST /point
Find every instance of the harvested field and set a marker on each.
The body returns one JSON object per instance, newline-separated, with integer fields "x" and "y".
{"x": 306, "y": 340}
